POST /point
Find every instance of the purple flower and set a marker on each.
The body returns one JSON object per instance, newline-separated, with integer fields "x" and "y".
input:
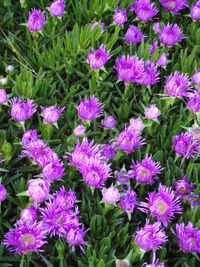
{"x": 75, "y": 237}
{"x": 108, "y": 151}
{"x": 150, "y": 75}
{"x": 25, "y": 238}
{"x": 28, "y": 215}
{"x": 21, "y": 110}
{"x": 95, "y": 172}
{"x": 98, "y": 58}
{"x": 177, "y": 85}
{"x": 156, "y": 27}
{"x": 182, "y": 187}
{"x": 38, "y": 189}
{"x": 188, "y": 237}
{"x": 57, "y": 8}
{"x": 153, "y": 47}
{"x": 79, "y": 130}
{"x": 3, "y": 193}
{"x": 194, "y": 102}
{"x": 110, "y": 195}
{"x": 155, "y": 263}
{"x": 129, "y": 68}
{"x": 53, "y": 171}
{"x": 170, "y": 34}
{"x": 162, "y": 60}
{"x": 133, "y": 35}
{"x": 196, "y": 75}
{"x": 144, "y": 9}
{"x": 82, "y": 152}
{"x": 195, "y": 11}
{"x": 152, "y": 112}
{"x": 97, "y": 23}
{"x": 128, "y": 201}
{"x": 90, "y": 109}
{"x": 151, "y": 236}
{"x": 28, "y": 137}
{"x": 128, "y": 140}
{"x": 136, "y": 125}
{"x": 185, "y": 145}
{"x": 174, "y": 5}
{"x": 9, "y": 68}
{"x": 109, "y": 122}
{"x": 146, "y": 171}
{"x": 65, "y": 199}
{"x": 36, "y": 20}
{"x": 122, "y": 177}
{"x": 120, "y": 16}
{"x": 162, "y": 205}
{"x": 3, "y": 96}
{"x": 51, "y": 114}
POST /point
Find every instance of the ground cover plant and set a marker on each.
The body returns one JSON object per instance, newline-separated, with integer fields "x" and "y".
{"x": 99, "y": 133}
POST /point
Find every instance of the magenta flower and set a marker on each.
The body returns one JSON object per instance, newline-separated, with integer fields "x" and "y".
{"x": 177, "y": 85}
{"x": 110, "y": 195}
{"x": 95, "y": 172}
{"x": 195, "y": 11}
{"x": 109, "y": 122}
{"x": 97, "y": 23}
{"x": 108, "y": 151}
{"x": 152, "y": 112}
{"x": 128, "y": 140}
{"x": 53, "y": 171}
{"x": 57, "y": 8}
{"x": 36, "y": 20}
{"x": 75, "y": 237}
{"x": 146, "y": 171}
{"x": 174, "y": 5}
{"x": 3, "y": 193}
{"x": 51, "y": 114}
{"x": 188, "y": 237}
{"x": 9, "y": 68}
{"x": 133, "y": 35}
{"x": 170, "y": 34}
{"x": 128, "y": 201}
{"x": 162, "y": 60}
{"x": 144, "y": 9}
{"x": 79, "y": 130}
{"x": 156, "y": 27}
{"x": 38, "y": 189}
{"x": 162, "y": 205}
{"x": 90, "y": 109}
{"x": 196, "y": 76}
{"x": 182, "y": 187}
{"x": 153, "y": 47}
{"x": 28, "y": 137}
{"x": 150, "y": 75}
{"x": 3, "y": 96}
{"x": 151, "y": 236}
{"x": 136, "y": 125}
{"x": 98, "y": 58}
{"x": 185, "y": 145}
{"x": 129, "y": 68}
{"x": 194, "y": 102}
{"x": 155, "y": 263}
{"x": 25, "y": 238}
{"x": 28, "y": 215}
{"x": 65, "y": 199}
{"x": 21, "y": 110}
{"x": 120, "y": 16}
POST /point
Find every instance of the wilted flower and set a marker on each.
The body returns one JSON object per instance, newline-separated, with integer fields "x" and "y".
{"x": 129, "y": 68}
{"x": 182, "y": 187}
{"x": 120, "y": 16}
{"x": 110, "y": 195}
{"x": 133, "y": 35}
{"x": 170, "y": 34}
{"x": 21, "y": 110}
{"x": 146, "y": 171}
{"x": 150, "y": 75}
{"x": 144, "y": 9}
{"x": 109, "y": 122}
{"x": 177, "y": 85}
{"x": 28, "y": 137}
{"x": 188, "y": 238}
{"x": 156, "y": 27}
{"x": 3, "y": 96}
{"x": 162, "y": 60}
{"x": 194, "y": 102}
{"x": 25, "y": 238}
{"x": 162, "y": 205}
{"x": 53, "y": 171}
{"x": 57, "y": 8}
{"x": 36, "y": 20}
{"x": 108, "y": 151}
{"x": 153, "y": 47}
{"x": 152, "y": 112}
{"x": 196, "y": 75}
{"x": 51, "y": 114}
{"x": 79, "y": 130}
{"x": 96, "y": 23}
{"x": 128, "y": 201}
{"x": 174, "y": 5}
{"x": 136, "y": 125}
{"x": 98, "y": 58}
{"x": 195, "y": 11}
{"x": 28, "y": 215}
{"x": 38, "y": 189}
{"x": 185, "y": 145}
{"x": 3, "y": 193}
{"x": 90, "y": 109}
{"x": 151, "y": 236}
{"x": 9, "y": 68}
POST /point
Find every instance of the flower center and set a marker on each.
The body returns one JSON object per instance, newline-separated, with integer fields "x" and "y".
{"x": 162, "y": 207}
{"x": 27, "y": 239}
{"x": 172, "y": 4}
{"x": 144, "y": 172}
